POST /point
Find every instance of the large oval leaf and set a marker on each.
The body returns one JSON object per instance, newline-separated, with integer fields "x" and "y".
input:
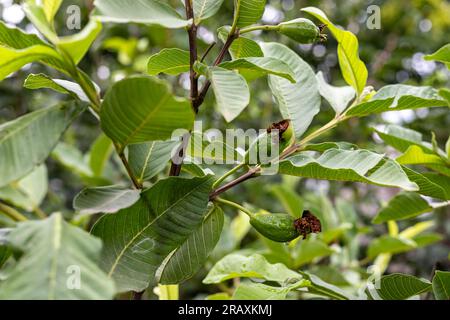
{"x": 143, "y": 109}
{"x": 349, "y": 165}
{"x": 142, "y": 11}
{"x": 231, "y": 92}
{"x": 398, "y": 97}
{"x": 59, "y": 253}
{"x": 401, "y": 287}
{"x": 300, "y": 101}
{"x": 191, "y": 255}
{"x": 138, "y": 239}
{"x": 27, "y": 141}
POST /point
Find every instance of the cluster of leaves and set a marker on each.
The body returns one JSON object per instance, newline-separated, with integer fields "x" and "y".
{"x": 164, "y": 230}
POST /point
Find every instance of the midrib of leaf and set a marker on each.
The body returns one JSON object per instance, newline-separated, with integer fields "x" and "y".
{"x": 169, "y": 257}
{"x": 128, "y": 245}
{"x": 56, "y": 249}
{"x": 353, "y": 73}
{"x": 148, "y": 117}
{"x": 147, "y": 159}
{"x": 202, "y": 10}
{"x": 447, "y": 294}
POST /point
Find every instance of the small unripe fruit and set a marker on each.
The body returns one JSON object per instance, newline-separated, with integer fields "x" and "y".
{"x": 284, "y": 227}
{"x": 276, "y": 227}
{"x": 302, "y": 30}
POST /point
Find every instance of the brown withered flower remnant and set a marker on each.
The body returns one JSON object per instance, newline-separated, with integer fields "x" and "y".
{"x": 308, "y": 224}
{"x": 281, "y": 126}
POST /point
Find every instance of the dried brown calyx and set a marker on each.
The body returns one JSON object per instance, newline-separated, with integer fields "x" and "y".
{"x": 281, "y": 126}
{"x": 308, "y": 224}
{"x": 323, "y": 36}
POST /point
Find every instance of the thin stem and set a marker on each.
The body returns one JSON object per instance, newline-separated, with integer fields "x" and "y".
{"x": 12, "y": 213}
{"x": 234, "y": 205}
{"x": 208, "y": 50}
{"x": 137, "y": 184}
{"x": 249, "y": 175}
{"x": 258, "y": 28}
{"x": 226, "y": 175}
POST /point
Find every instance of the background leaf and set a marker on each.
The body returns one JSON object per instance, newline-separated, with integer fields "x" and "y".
{"x": 403, "y": 206}
{"x": 27, "y": 141}
{"x": 54, "y": 248}
{"x": 143, "y": 11}
{"x": 151, "y": 111}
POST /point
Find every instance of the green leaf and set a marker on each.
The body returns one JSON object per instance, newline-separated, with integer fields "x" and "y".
{"x": 300, "y": 101}
{"x": 391, "y": 245}
{"x": 249, "y": 12}
{"x": 12, "y": 59}
{"x": 138, "y": 239}
{"x": 401, "y": 287}
{"x": 442, "y": 55}
{"x": 242, "y": 47}
{"x": 398, "y": 97}
{"x": 445, "y": 93}
{"x": 51, "y": 7}
{"x": 204, "y": 9}
{"x": 209, "y": 151}
{"x": 310, "y": 249}
{"x": 27, "y": 141}
{"x": 151, "y": 111}
{"x": 191, "y": 255}
{"x": 339, "y": 98}
{"x": 77, "y": 45}
{"x": 109, "y": 199}
{"x": 143, "y": 11}
{"x": 150, "y": 158}
{"x": 441, "y": 285}
{"x": 58, "y": 253}
{"x": 291, "y": 201}
{"x": 255, "y": 67}
{"x": 100, "y": 154}
{"x": 402, "y": 138}
{"x": 260, "y": 291}
{"x": 348, "y": 165}
{"x": 5, "y": 253}
{"x": 255, "y": 266}
{"x": 320, "y": 287}
{"x": 231, "y": 91}
{"x": 416, "y": 155}
{"x": 403, "y": 206}
{"x": 37, "y": 14}
{"x": 353, "y": 69}
{"x": 71, "y": 158}
{"x": 29, "y": 192}
{"x": 40, "y": 81}
{"x": 171, "y": 61}
{"x": 18, "y": 44}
